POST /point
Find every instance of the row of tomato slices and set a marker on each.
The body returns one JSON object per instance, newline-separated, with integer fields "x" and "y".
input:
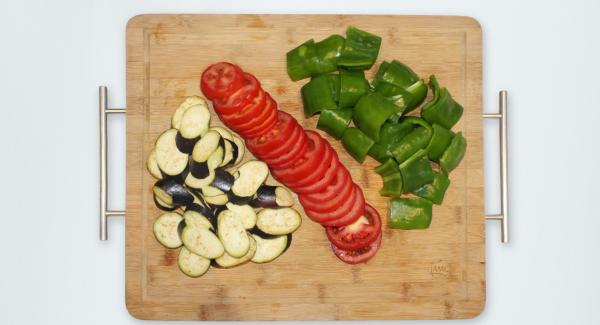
{"x": 302, "y": 160}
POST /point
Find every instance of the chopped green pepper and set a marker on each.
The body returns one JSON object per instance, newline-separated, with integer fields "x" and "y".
{"x": 454, "y": 153}
{"x": 387, "y": 168}
{"x": 416, "y": 172}
{"x": 440, "y": 140}
{"x": 360, "y": 50}
{"x": 317, "y": 95}
{"x": 400, "y": 83}
{"x": 327, "y": 53}
{"x": 353, "y": 85}
{"x": 392, "y": 185}
{"x": 417, "y": 139}
{"x": 335, "y": 121}
{"x": 410, "y": 213}
{"x": 390, "y": 134}
{"x": 371, "y": 111}
{"x": 334, "y": 86}
{"x": 297, "y": 60}
{"x": 356, "y": 143}
{"x": 434, "y": 191}
{"x": 442, "y": 109}
{"x": 311, "y": 59}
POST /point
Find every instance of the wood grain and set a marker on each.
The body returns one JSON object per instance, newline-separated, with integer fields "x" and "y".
{"x": 438, "y": 273}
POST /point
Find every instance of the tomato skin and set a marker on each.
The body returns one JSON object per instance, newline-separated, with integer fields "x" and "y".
{"x": 262, "y": 128}
{"x": 298, "y": 147}
{"x": 334, "y": 196}
{"x": 317, "y": 173}
{"x": 249, "y": 112}
{"x": 306, "y": 164}
{"x": 297, "y": 136}
{"x": 220, "y": 80}
{"x": 357, "y": 210}
{"x": 263, "y": 145}
{"x": 324, "y": 181}
{"x": 343, "y": 209}
{"x": 360, "y": 255}
{"x": 346, "y": 239}
{"x": 239, "y": 98}
{"x": 253, "y": 121}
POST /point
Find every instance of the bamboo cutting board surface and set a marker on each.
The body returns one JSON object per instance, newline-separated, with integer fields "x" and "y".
{"x": 438, "y": 273}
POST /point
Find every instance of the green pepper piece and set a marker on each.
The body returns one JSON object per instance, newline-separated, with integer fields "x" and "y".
{"x": 434, "y": 191}
{"x": 440, "y": 140}
{"x": 335, "y": 121}
{"x": 410, "y": 144}
{"x": 410, "y": 213}
{"x": 356, "y": 143}
{"x": 390, "y": 134}
{"x": 387, "y": 168}
{"x": 334, "y": 86}
{"x": 371, "y": 111}
{"x": 317, "y": 95}
{"x": 353, "y": 85}
{"x": 454, "y": 153}
{"x": 416, "y": 172}
{"x": 442, "y": 109}
{"x": 327, "y": 52}
{"x": 380, "y": 72}
{"x": 297, "y": 59}
{"x": 400, "y": 84}
{"x": 360, "y": 50}
{"x": 392, "y": 185}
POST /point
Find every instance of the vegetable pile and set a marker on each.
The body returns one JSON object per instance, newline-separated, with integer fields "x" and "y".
{"x": 198, "y": 171}
{"x": 302, "y": 160}
{"x": 416, "y": 153}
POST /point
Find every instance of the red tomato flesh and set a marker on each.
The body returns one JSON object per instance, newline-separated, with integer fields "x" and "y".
{"x": 273, "y": 140}
{"x": 323, "y": 182}
{"x": 307, "y": 163}
{"x": 360, "y": 255}
{"x": 239, "y": 98}
{"x": 249, "y": 112}
{"x": 343, "y": 209}
{"x": 333, "y": 196}
{"x": 359, "y": 234}
{"x": 351, "y": 215}
{"x": 220, "y": 80}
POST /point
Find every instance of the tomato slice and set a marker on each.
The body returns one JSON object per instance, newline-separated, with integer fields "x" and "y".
{"x": 333, "y": 197}
{"x": 360, "y": 255}
{"x": 274, "y": 139}
{"x": 343, "y": 209}
{"x": 263, "y": 127}
{"x": 352, "y": 215}
{"x": 318, "y": 172}
{"x": 286, "y": 145}
{"x": 323, "y": 182}
{"x": 221, "y": 79}
{"x": 248, "y": 112}
{"x": 359, "y": 234}
{"x": 239, "y": 98}
{"x": 257, "y": 118}
{"x": 297, "y": 150}
{"x": 307, "y": 163}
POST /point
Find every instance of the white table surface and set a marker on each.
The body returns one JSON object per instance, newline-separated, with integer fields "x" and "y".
{"x": 54, "y": 54}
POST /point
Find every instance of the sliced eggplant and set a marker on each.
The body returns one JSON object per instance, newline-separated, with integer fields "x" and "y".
{"x": 223, "y": 132}
{"x": 189, "y": 102}
{"x": 223, "y": 180}
{"x": 165, "y": 229}
{"x": 240, "y": 200}
{"x": 227, "y": 261}
{"x": 211, "y": 191}
{"x": 185, "y": 145}
{"x": 215, "y": 158}
{"x": 202, "y": 241}
{"x": 152, "y": 165}
{"x": 245, "y": 212}
{"x": 206, "y": 146}
{"x": 228, "y": 153}
{"x": 281, "y": 221}
{"x": 269, "y": 249}
{"x": 232, "y": 234}
{"x": 221, "y": 199}
{"x": 196, "y": 219}
{"x": 241, "y": 150}
{"x": 252, "y": 175}
{"x": 162, "y": 205}
{"x": 199, "y": 169}
{"x": 172, "y": 193}
{"x": 268, "y": 196}
{"x": 191, "y": 264}
{"x": 170, "y": 160}
{"x": 199, "y": 183}
{"x": 262, "y": 234}
{"x": 194, "y": 122}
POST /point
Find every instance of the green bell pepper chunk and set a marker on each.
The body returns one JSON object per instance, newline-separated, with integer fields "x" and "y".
{"x": 454, "y": 153}
{"x": 327, "y": 53}
{"x": 360, "y": 50}
{"x": 392, "y": 185}
{"x": 410, "y": 213}
{"x": 298, "y": 58}
{"x": 371, "y": 111}
{"x": 390, "y": 134}
{"x": 440, "y": 140}
{"x": 387, "y": 168}
{"x": 442, "y": 109}
{"x": 400, "y": 84}
{"x": 335, "y": 121}
{"x": 317, "y": 95}
{"x": 356, "y": 143}
{"x": 353, "y": 85}
{"x": 334, "y": 86}
{"x": 417, "y": 139}
{"x": 380, "y": 152}
{"x": 434, "y": 191}
{"x": 416, "y": 171}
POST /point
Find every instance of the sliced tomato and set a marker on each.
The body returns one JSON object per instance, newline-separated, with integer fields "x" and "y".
{"x": 274, "y": 139}
{"x": 345, "y": 207}
{"x": 221, "y": 79}
{"x": 307, "y": 163}
{"x": 257, "y": 118}
{"x": 318, "y": 172}
{"x": 360, "y": 255}
{"x": 352, "y": 215}
{"x": 333, "y": 196}
{"x": 323, "y": 182}
{"x": 297, "y": 150}
{"x": 239, "y": 98}
{"x": 248, "y": 112}
{"x": 263, "y": 127}
{"x": 360, "y": 233}
{"x": 296, "y": 137}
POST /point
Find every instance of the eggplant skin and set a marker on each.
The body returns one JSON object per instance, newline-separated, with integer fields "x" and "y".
{"x": 185, "y": 145}
{"x": 256, "y": 231}
{"x": 178, "y": 192}
{"x": 223, "y": 180}
{"x": 199, "y": 169}
{"x": 239, "y": 200}
{"x": 163, "y": 207}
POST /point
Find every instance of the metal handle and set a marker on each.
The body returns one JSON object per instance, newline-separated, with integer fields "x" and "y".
{"x": 104, "y": 111}
{"x": 502, "y": 116}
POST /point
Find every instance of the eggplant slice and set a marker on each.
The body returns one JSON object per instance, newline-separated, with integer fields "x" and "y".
{"x": 196, "y": 219}
{"x": 152, "y": 165}
{"x": 223, "y": 180}
{"x": 191, "y": 264}
{"x": 202, "y": 241}
{"x": 172, "y": 193}
{"x": 194, "y": 122}
{"x": 245, "y": 212}
{"x": 281, "y": 221}
{"x": 189, "y": 102}
{"x": 223, "y": 132}
{"x": 162, "y": 205}
{"x": 227, "y": 261}
{"x": 215, "y": 159}
{"x": 252, "y": 175}
{"x": 170, "y": 160}
{"x": 185, "y": 145}
{"x": 229, "y": 148}
{"x": 269, "y": 249}
{"x": 165, "y": 229}
{"x": 206, "y": 146}
{"x": 241, "y": 150}
{"x": 268, "y": 196}
{"x": 221, "y": 199}
{"x": 198, "y": 183}
{"x": 232, "y": 234}
{"x": 211, "y": 191}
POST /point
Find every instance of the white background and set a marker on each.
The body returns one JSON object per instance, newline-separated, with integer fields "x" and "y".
{"x": 54, "y": 54}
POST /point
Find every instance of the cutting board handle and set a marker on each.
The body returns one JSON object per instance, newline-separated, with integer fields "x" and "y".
{"x": 501, "y": 116}
{"x": 104, "y": 111}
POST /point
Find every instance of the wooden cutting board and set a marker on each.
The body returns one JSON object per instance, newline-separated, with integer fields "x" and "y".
{"x": 438, "y": 273}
